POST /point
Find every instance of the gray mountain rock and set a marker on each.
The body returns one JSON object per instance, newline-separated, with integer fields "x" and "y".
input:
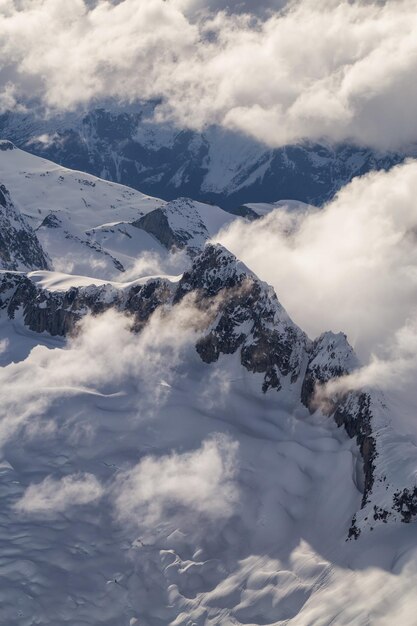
{"x": 19, "y": 246}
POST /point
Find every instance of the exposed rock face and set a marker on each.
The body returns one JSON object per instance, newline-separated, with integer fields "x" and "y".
{"x": 19, "y": 246}
{"x": 246, "y": 313}
{"x": 57, "y": 312}
{"x": 6, "y": 145}
{"x": 405, "y": 502}
{"x": 249, "y": 317}
{"x": 176, "y": 225}
{"x": 355, "y": 414}
{"x": 331, "y": 357}
{"x": 156, "y": 223}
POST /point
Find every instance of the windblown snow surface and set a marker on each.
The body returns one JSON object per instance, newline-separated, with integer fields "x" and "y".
{"x": 142, "y": 486}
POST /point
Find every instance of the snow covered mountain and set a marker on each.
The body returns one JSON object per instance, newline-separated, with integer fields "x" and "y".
{"x": 92, "y": 227}
{"x": 171, "y": 450}
{"x": 122, "y": 145}
{"x": 245, "y": 318}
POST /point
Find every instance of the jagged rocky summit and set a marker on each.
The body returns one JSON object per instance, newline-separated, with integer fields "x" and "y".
{"x": 244, "y": 318}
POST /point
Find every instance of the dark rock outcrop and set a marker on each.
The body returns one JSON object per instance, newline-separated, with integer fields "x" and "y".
{"x": 19, "y": 247}
{"x": 6, "y": 145}
{"x": 58, "y": 312}
{"x": 176, "y": 225}
{"x": 248, "y": 317}
{"x": 156, "y": 223}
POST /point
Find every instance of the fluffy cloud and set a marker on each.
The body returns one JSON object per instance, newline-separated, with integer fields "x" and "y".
{"x": 317, "y": 69}
{"x": 351, "y": 266}
{"x": 201, "y": 481}
{"x": 56, "y": 496}
{"x": 104, "y": 359}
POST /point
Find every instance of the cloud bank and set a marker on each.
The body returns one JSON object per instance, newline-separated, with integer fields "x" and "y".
{"x": 316, "y": 69}
{"x": 351, "y": 266}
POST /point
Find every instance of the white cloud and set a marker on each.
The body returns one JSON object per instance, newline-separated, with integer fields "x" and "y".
{"x": 151, "y": 263}
{"x": 394, "y": 370}
{"x": 56, "y": 496}
{"x": 351, "y": 266}
{"x": 4, "y": 345}
{"x": 8, "y": 98}
{"x": 318, "y": 69}
{"x": 105, "y": 358}
{"x": 201, "y": 481}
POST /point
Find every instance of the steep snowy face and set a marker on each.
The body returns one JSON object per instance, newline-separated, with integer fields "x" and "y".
{"x": 20, "y": 249}
{"x": 216, "y": 165}
{"x": 388, "y": 480}
{"x": 41, "y": 186}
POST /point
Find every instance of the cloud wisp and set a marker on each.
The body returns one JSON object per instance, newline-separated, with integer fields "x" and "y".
{"x": 200, "y": 482}
{"x": 56, "y": 496}
{"x": 105, "y": 358}
{"x": 316, "y": 69}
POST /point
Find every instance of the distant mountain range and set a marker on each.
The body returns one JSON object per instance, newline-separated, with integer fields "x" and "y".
{"x": 215, "y": 166}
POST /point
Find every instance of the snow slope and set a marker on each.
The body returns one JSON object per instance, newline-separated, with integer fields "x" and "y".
{"x": 144, "y": 482}
{"x": 85, "y": 224}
